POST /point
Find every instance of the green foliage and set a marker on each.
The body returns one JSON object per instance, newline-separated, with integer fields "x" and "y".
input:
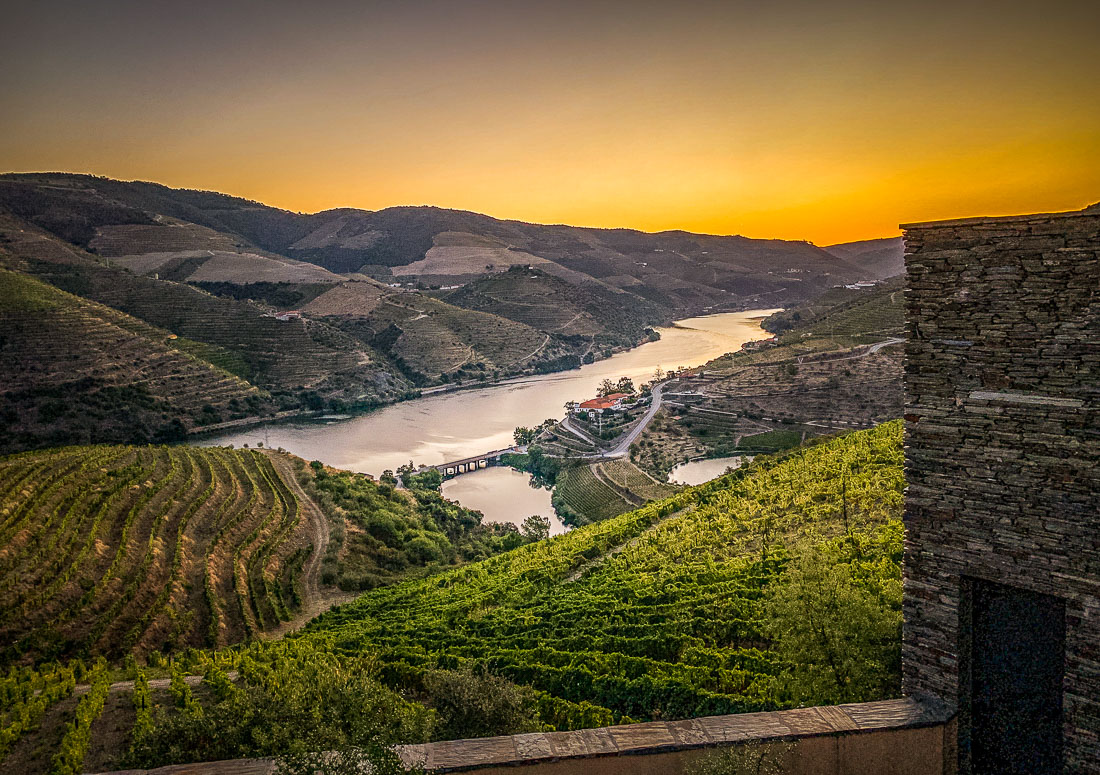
{"x": 476, "y": 703}
{"x": 25, "y": 696}
{"x": 116, "y": 535}
{"x": 659, "y": 612}
{"x": 535, "y": 528}
{"x": 771, "y": 441}
{"x": 69, "y": 759}
{"x": 294, "y": 698}
{"x": 143, "y": 709}
{"x": 402, "y": 533}
{"x": 836, "y": 618}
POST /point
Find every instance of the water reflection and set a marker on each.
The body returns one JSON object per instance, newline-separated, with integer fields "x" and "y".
{"x": 699, "y": 471}
{"x": 503, "y": 495}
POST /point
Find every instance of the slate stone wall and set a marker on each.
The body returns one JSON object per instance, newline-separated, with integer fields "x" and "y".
{"x": 1003, "y": 440}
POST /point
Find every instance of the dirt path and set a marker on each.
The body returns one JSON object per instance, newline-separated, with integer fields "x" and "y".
{"x": 534, "y": 352}
{"x": 315, "y": 598}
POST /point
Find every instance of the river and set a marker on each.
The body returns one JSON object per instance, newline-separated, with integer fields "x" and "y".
{"x": 463, "y": 423}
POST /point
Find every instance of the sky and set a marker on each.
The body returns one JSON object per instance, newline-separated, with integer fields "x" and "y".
{"x": 825, "y": 121}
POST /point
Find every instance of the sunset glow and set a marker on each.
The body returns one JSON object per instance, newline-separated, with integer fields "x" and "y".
{"x": 804, "y": 121}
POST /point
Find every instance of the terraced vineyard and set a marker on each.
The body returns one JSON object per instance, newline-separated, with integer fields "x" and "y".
{"x": 117, "y": 549}
{"x": 848, "y": 316}
{"x": 73, "y": 366}
{"x": 431, "y": 338}
{"x": 581, "y": 497}
{"x": 660, "y": 612}
{"x": 625, "y": 476}
{"x": 288, "y": 357}
{"x": 540, "y": 300}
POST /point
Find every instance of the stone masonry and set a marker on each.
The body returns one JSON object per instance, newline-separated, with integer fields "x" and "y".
{"x": 1003, "y": 441}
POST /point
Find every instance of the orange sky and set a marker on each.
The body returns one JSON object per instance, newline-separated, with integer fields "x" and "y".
{"x": 820, "y": 121}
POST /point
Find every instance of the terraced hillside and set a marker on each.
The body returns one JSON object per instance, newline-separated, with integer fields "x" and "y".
{"x": 76, "y": 371}
{"x": 116, "y": 549}
{"x": 548, "y": 303}
{"x": 432, "y": 341}
{"x": 291, "y": 358}
{"x": 682, "y": 273}
{"x": 690, "y": 606}
{"x": 684, "y": 607}
{"x": 851, "y": 316}
{"x": 586, "y": 493}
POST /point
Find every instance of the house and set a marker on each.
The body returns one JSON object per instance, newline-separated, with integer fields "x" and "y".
{"x": 612, "y": 402}
{"x": 760, "y": 344}
{"x": 294, "y": 314}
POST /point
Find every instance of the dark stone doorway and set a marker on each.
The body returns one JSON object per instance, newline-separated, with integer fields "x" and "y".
{"x": 1012, "y": 665}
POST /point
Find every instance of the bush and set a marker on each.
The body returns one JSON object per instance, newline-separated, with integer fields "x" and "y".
{"x": 479, "y": 704}
{"x": 310, "y": 701}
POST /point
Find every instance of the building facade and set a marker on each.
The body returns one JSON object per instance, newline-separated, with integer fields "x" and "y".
{"x": 1002, "y": 567}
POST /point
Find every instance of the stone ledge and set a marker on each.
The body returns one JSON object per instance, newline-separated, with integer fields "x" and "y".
{"x": 993, "y": 220}
{"x": 654, "y": 737}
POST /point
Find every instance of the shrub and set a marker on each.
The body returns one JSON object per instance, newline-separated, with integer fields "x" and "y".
{"x": 476, "y": 703}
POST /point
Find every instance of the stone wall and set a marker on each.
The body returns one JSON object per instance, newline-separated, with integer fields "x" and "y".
{"x": 892, "y": 737}
{"x": 1003, "y": 440}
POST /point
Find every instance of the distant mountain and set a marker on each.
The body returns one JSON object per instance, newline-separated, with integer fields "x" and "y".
{"x": 879, "y": 258}
{"x": 379, "y": 302}
{"x": 679, "y": 271}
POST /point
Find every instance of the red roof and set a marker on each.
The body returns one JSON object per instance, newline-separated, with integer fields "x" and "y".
{"x": 606, "y": 402}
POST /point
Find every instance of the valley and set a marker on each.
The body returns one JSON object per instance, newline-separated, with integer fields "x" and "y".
{"x": 317, "y": 367}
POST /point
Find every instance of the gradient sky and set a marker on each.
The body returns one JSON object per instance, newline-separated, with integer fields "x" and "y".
{"x": 803, "y": 120}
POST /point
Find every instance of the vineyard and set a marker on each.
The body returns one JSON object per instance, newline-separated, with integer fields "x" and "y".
{"x": 110, "y": 550}
{"x": 598, "y": 491}
{"x": 662, "y": 612}
{"x": 75, "y": 370}
{"x": 687, "y": 606}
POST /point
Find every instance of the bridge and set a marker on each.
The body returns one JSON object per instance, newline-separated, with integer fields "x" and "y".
{"x": 467, "y": 464}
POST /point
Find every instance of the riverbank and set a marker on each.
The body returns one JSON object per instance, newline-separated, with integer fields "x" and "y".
{"x": 467, "y": 421}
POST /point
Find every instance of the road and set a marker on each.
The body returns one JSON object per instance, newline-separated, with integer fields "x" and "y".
{"x": 623, "y": 447}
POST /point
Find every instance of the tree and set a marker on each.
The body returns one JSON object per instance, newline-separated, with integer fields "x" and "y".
{"x": 658, "y": 374}
{"x": 607, "y": 387}
{"x": 476, "y": 703}
{"x": 535, "y": 527}
{"x": 625, "y": 385}
{"x": 837, "y": 626}
{"x": 523, "y": 435}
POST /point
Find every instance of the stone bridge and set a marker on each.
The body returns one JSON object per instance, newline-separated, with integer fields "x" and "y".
{"x": 467, "y": 464}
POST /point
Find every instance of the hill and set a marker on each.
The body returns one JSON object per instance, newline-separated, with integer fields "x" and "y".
{"x": 77, "y": 371}
{"x": 694, "y": 605}
{"x": 431, "y": 341}
{"x": 679, "y": 271}
{"x": 880, "y": 258}
{"x": 115, "y": 550}
{"x": 857, "y": 314}
{"x": 660, "y": 612}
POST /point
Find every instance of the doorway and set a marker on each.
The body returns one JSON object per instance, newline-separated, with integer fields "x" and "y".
{"x": 1012, "y": 661}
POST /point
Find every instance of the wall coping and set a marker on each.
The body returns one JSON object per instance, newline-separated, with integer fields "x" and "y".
{"x": 640, "y": 739}
{"x": 992, "y": 220}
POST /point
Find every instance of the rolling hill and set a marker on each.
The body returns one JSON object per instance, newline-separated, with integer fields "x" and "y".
{"x": 383, "y": 302}
{"x": 76, "y": 371}
{"x": 679, "y": 271}
{"x": 880, "y": 258}
{"x": 659, "y": 612}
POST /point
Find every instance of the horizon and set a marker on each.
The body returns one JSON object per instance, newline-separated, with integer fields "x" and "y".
{"x": 792, "y": 122}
